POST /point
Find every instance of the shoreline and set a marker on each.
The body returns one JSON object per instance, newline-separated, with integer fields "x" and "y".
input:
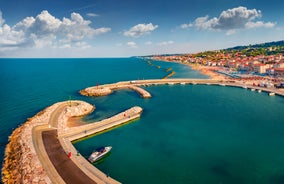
{"x": 254, "y": 80}
{"x": 207, "y": 70}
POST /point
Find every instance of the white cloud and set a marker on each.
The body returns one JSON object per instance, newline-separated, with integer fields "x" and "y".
{"x": 140, "y": 29}
{"x": 10, "y": 38}
{"x": 24, "y": 24}
{"x": 83, "y": 45}
{"x": 46, "y": 41}
{"x": 101, "y": 30}
{"x": 204, "y": 23}
{"x": 259, "y": 24}
{"x": 185, "y": 26}
{"x": 165, "y": 43}
{"x": 131, "y": 44}
{"x": 236, "y": 18}
{"x": 92, "y": 15}
{"x": 230, "y": 32}
{"x": 45, "y": 30}
{"x": 231, "y": 20}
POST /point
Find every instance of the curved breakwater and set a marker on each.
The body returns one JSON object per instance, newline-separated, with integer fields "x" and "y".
{"x": 27, "y": 158}
{"x": 134, "y": 85}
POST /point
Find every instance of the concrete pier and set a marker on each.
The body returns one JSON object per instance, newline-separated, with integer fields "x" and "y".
{"x": 92, "y": 128}
{"x": 38, "y": 150}
{"x": 141, "y": 91}
{"x": 64, "y": 137}
{"x": 107, "y": 89}
{"x": 135, "y": 85}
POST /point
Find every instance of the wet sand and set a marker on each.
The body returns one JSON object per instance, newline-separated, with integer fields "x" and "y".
{"x": 75, "y": 121}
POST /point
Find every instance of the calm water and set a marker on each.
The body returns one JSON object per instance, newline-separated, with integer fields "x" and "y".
{"x": 195, "y": 134}
{"x": 187, "y": 134}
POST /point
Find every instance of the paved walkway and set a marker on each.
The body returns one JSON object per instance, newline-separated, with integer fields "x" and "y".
{"x": 66, "y": 168}
{"x": 52, "y": 148}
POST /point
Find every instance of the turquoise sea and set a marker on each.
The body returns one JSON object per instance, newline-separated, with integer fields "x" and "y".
{"x": 186, "y": 134}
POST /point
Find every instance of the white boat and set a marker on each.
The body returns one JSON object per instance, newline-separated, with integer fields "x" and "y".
{"x": 271, "y": 94}
{"x": 99, "y": 153}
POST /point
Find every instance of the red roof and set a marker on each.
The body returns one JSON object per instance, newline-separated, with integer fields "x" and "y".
{"x": 259, "y": 65}
{"x": 279, "y": 69}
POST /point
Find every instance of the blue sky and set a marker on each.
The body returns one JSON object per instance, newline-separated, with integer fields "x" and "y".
{"x": 122, "y": 28}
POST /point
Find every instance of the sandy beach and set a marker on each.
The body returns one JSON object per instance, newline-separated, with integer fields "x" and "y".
{"x": 207, "y": 70}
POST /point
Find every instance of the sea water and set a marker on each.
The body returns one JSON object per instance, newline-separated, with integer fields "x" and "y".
{"x": 194, "y": 134}
{"x": 186, "y": 134}
{"x": 30, "y": 85}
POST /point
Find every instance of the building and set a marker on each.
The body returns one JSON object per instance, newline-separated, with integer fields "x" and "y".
{"x": 278, "y": 65}
{"x": 260, "y": 68}
{"x": 270, "y": 71}
{"x": 279, "y": 72}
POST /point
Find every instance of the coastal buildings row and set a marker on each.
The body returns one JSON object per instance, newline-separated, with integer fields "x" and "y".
{"x": 272, "y": 65}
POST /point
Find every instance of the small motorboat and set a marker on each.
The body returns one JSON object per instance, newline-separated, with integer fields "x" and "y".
{"x": 271, "y": 94}
{"x": 99, "y": 153}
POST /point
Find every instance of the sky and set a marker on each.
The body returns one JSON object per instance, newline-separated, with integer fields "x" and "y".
{"x": 124, "y": 28}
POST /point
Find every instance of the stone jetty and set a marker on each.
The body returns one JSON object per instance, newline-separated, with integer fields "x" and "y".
{"x": 107, "y": 89}
{"x": 27, "y": 159}
{"x": 135, "y": 85}
{"x": 21, "y": 163}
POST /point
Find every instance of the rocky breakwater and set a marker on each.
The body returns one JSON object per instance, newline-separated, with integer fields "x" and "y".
{"x": 96, "y": 91}
{"x": 107, "y": 89}
{"x": 76, "y": 109}
{"x": 21, "y": 163}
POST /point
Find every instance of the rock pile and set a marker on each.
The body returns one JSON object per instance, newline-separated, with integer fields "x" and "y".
{"x": 21, "y": 163}
{"x": 74, "y": 110}
{"x": 96, "y": 91}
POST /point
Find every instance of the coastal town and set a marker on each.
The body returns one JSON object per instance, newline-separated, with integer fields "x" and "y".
{"x": 259, "y": 62}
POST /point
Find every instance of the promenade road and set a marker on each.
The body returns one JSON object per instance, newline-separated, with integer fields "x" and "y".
{"x": 65, "y": 167}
